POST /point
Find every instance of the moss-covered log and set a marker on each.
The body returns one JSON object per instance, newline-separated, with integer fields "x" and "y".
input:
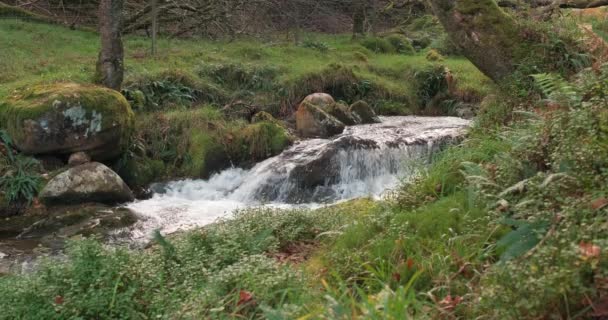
{"x": 488, "y": 36}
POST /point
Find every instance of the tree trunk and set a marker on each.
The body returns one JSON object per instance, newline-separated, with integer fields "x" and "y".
{"x": 358, "y": 18}
{"x": 490, "y": 38}
{"x": 154, "y": 25}
{"x": 110, "y": 65}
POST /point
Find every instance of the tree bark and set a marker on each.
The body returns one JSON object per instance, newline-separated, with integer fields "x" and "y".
{"x": 358, "y": 18}
{"x": 110, "y": 65}
{"x": 490, "y": 38}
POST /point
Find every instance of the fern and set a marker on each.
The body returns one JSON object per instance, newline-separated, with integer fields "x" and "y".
{"x": 557, "y": 90}
{"x": 22, "y": 184}
{"x": 524, "y": 237}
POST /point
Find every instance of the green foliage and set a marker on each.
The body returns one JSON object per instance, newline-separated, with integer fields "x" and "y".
{"x": 378, "y": 45}
{"x": 201, "y": 274}
{"x": 316, "y": 45}
{"x": 168, "y": 90}
{"x": 524, "y": 237}
{"x": 401, "y": 44}
{"x": 20, "y": 180}
{"x": 556, "y": 89}
{"x": 430, "y": 83}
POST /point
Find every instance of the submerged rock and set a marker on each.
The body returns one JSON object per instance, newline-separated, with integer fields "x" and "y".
{"x": 90, "y": 182}
{"x": 65, "y": 118}
{"x": 312, "y": 121}
{"x": 362, "y": 110}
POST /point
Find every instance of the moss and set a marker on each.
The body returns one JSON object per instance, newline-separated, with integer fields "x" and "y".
{"x": 393, "y": 108}
{"x": 340, "y": 112}
{"x": 202, "y": 147}
{"x": 261, "y": 140}
{"x": 263, "y": 116}
{"x": 434, "y": 56}
{"x": 140, "y": 172}
{"x": 378, "y": 45}
{"x": 101, "y": 108}
{"x": 360, "y": 56}
{"x": 337, "y": 80}
{"x": 401, "y": 44}
{"x": 171, "y": 88}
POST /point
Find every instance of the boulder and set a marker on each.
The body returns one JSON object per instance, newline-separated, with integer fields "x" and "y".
{"x": 78, "y": 158}
{"x": 340, "y": 112}
{"x": 312, "y": 121}
{"x": 90, "y": 182}
{"x": 65, "y": 118}
{"x": 362, "y": 110}
{"x": 322, "y": 100}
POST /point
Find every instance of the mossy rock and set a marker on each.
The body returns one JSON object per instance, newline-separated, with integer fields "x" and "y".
{"x": 312, "y": 121}
{"x": 262, "y": 140}
{"x": 138, "y": 173}
{"x": 64, "y": 118}
{"x": 364, "y": 112}
{"x": 341, "y": 112}
{"x": 205, "y": 155}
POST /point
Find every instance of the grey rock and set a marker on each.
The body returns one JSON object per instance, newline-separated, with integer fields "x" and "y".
{"x": 90, "y": 182}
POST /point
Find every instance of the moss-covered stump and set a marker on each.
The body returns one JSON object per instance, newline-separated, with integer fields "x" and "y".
{"x": 64, "y": 118}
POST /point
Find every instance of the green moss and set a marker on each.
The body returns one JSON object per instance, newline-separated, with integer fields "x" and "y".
{"x": 140, "y": 172}
{"x": 434, "y": 56}
{"x": 103, "y": 109}
{"x": 263, "y": 116}
{"x": 261, "y": 140}
{"x": 378, "y": 45}
{"x": 202, "y": 147}
{"x": 401, "y": 44}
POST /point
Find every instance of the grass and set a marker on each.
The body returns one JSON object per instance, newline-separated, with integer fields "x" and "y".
{"x": 508, "y": 224}
{"x": 70, "y": 55}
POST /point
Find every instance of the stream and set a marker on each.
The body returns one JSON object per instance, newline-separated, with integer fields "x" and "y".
{"x": 364, "y": 161}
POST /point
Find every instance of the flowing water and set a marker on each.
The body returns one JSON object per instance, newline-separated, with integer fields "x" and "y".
{"x": 365, "y": 160}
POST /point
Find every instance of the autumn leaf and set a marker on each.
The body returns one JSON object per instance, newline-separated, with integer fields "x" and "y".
{"x": 410, "y": 263}
{"x": 244, "y": 297}
{"x": 589, "y": 250}
{"x": 449, "y": 303}
{"x": 599, "y": 203}
{"x": 397, "y": 276}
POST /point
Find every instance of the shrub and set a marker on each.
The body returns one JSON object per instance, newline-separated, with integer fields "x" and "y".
{"x": 170, "y": 89}
{"x": 401, "y": 44}
{"x": 316, "y": 45}
{"x": 434, "y": 56}
{"x": 378, "y": 45}
{"x": 20, "y": 179}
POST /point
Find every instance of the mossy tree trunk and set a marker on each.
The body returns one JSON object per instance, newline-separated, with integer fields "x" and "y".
{"x": 358, "y": 18}
{"x": 490, "y": 38}
{"x": 110, "y": 65}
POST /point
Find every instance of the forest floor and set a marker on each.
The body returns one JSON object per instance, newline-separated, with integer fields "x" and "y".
{"x": 509, "y": 224}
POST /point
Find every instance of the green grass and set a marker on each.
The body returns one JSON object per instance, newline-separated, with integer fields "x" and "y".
{"x": 70, "y": 55}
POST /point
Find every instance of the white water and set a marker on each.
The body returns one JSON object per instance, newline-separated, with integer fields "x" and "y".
{"x": 365, "y": 160}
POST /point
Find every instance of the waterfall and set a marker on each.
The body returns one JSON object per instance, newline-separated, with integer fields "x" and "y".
{"x": 365, "y": 160}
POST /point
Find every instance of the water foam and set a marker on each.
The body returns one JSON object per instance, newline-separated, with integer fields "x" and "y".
{"x": 365, "y": 160}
